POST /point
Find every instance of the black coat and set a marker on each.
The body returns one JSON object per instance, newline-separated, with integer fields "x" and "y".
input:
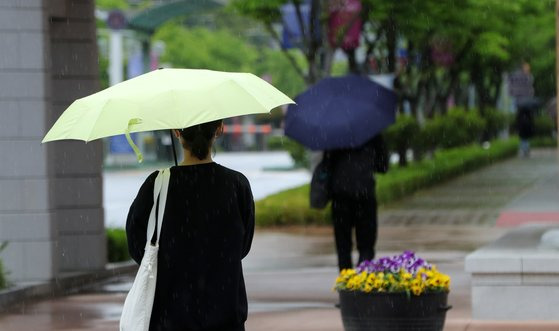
{"x": 207, "y": 230}
{"x": 353, "y": 169}
{"x": 525, "y": 123}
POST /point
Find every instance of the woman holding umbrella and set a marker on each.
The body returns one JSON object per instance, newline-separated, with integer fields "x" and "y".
{"x": 208, "y": 229}
{"x": 192, "y": 276}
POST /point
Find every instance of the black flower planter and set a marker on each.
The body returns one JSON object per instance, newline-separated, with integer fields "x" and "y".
{"x": 393, "y": 311}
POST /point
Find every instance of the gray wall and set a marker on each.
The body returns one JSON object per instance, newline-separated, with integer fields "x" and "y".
{"x": 50, "y": 195}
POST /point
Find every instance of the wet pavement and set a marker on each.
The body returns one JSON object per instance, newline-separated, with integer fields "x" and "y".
{"x": 290, "y": 272}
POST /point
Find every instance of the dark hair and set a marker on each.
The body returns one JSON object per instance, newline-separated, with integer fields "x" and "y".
{"x": 198, "y": 138}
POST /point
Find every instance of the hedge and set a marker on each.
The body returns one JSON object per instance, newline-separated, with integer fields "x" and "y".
{"x": 292, "y": 207}
{"x": 543, "y": 142}
{"x": 117, "y": 245}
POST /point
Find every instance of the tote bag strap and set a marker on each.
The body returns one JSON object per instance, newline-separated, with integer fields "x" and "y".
{"x": 160, "y": 189}
{"x": 162, "y": 201}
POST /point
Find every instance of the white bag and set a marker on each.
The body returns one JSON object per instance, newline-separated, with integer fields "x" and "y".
{"x": 136, "y": 313}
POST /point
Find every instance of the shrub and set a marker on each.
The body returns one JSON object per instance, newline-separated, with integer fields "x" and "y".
{"x": 431, "y": 133}
{"x": 458, "y": 128}
{"x": 495, "y": 122}
{"x": 275, "y": 143}
{"x": 292, "y": 206}
{"x": 297, "y": 152}
{"x": 402, "y": 136}
{"x": 543, "y": 126}
{"x": 543, "y": 142}
{"x": 117, "y": 245}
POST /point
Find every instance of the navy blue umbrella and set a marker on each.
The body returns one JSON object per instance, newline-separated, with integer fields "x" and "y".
{"x": 340, "y": 112}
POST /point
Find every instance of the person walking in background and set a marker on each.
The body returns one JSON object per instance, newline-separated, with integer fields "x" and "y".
{"x": 525, "y": 127}
{"x": 207, "y": 230}
{"x": 521, "y": 88}
{"x": 354, "y": 205}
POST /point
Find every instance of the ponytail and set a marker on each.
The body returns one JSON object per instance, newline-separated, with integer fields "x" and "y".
{"x": 198, "y": 139}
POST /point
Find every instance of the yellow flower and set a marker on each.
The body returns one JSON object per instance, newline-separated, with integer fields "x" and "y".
{"x": 406, "y": 276}
{"x": 347, "y": 272}
{"x": 378, "y": 283}
{"x": 416, "y": 290}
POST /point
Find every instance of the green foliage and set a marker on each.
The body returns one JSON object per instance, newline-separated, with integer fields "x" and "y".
{"x": 297, "y": 152}
{"x": 484, "y": 39}
{"x": 495, "y": 122}
{"x": 456, "y": 128}
{"x": 200, "y": 48}
{"x": 543, "y": 142}
{"x": 275, "y": 143}
{"x": 292, "y": 206}
{"x": 103, "y": 71}
{"x": 534, "y": 40}
{"x": 112, "y": 4}
{"x": 274, "y": 64}
{"x": 117, "y": 245}
{"x": 402, "y": 136}
{"x": 266, "y": 11}
{"x": 543, "y": 126}
{"x": 123, "y": 4}
{"x": 3, "y": 273}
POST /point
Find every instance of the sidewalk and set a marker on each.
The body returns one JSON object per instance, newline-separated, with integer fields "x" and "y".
{"x": 290, "y": 272}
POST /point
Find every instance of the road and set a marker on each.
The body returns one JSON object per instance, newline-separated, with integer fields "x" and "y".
{"x": 267, "y": 173}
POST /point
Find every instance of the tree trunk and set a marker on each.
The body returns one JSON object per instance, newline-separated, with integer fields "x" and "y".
{"x": 391, "y": 44}
{"x": 402, "y": 159}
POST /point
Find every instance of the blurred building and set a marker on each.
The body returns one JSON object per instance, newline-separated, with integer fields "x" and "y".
{"x": 51, "y": 206}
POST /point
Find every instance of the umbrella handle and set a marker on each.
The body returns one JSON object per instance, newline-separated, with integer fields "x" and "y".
{"x": 173, "y": 145}
{"x": 135, "y": 148}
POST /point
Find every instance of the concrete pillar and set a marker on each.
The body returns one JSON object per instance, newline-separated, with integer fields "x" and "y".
{"x": 50, "y": 195}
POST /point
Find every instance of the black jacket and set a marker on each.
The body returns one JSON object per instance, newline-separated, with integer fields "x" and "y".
{"x": 352, "y": 169}
{"x": 207, "y": 230}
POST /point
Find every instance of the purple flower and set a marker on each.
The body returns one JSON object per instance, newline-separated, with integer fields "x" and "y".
{"x": 407, "y": 261}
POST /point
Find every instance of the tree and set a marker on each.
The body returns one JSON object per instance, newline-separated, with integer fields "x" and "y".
{"x": 219, "y": 49}
{"x": 450, "y": 44}
{"x": 201, "y": 48}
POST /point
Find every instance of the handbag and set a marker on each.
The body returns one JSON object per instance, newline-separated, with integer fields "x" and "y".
{"x": 136, "y": 313}
{"x": 320, "y": 184}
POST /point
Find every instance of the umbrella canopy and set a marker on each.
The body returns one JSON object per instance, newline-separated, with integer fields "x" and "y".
{"x": 165, "y": 99}
{"x": 340, "y": 112}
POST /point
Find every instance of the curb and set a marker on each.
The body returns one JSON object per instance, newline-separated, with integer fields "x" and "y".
{"x": 63, "y": 285}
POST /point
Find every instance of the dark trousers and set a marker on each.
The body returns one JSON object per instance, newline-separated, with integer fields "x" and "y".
{"x": 358, "y": 213}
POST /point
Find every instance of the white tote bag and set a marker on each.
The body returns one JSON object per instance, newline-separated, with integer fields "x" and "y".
{"x": 136, "y": 313}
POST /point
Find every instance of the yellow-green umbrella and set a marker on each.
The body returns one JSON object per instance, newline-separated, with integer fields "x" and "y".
{"x": 165, "y": 99}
